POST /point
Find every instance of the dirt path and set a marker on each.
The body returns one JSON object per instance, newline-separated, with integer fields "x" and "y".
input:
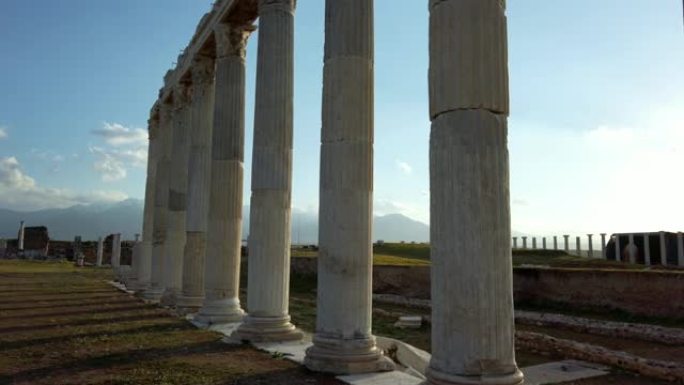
{"x": 60, "y": 325}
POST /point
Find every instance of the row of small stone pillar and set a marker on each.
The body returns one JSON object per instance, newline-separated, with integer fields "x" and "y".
{"x": 618, "y": 247}
{"x": 191, "y": 233}
{"x": 566, "y": 244}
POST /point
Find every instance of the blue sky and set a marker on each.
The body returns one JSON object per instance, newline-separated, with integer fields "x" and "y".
{"x": 596, "y": 130}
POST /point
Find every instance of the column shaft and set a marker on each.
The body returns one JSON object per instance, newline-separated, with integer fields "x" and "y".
{"x": 603, "y": 246}
{"x": 144, "y": 263}
{"x": 222, "y": 271}
{"x": 100, "y": 252}
{"x": 178, "y": 184}
{"x": 343, "y": 342}
{"x": 198, "y": 184}
{"x": 161, "y": 198}
{"x": 663, "y": 249}
{"x": 472, "y": 277}
{"x": 269, "y": 234}
{"x": 116, "y": 251}
{"x": 618, "y": 248}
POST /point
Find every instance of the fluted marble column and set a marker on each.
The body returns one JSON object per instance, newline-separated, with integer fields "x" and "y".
{"x": 161, "y": 197}
{"x": 566, "y": 243}
{"x": 555, "y": 242}
{"x": 524, "y": 245}
{"x": 515, "y": 242}
{"x": 343, "y": 342}
{"x": 544, "y": 243}
{"x": 472, "y": 275}
{"x": 534, "y": 243}
{"x": 647, "y": 249}
{"x": 116, "y": 251}
{"x": 591, "y": 245}
{"x": 578, "y": 247}
{"x": 603, "y": 246}
{"x": 198, "y": 183}
{"x": 144, "y": 263}
{"x": 178, "y": 185}
{"x": 269, "y": 234}
{"x": 222, "y": 270}
{"x": 618, "y": 248}
{"x": 100, "y": 252}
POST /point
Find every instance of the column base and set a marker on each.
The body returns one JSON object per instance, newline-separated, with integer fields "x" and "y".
{"x": 267, "y": 329}
{"x": 439, "y": 378}
{"x": 338, "y": 356}
{"x": 152, "y": 294}
{"x": 169, "y": 297}
{"x": 189, "y": 304}
{"x": 220, "y": 311}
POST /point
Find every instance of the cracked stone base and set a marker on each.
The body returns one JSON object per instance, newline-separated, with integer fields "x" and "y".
{"x": 438, "y": 378}
{"x": 152, "y": 294}
{"x": 336, "y": 356}
{"x": 220, "y": 312}
{"x": 169, "y": 297}
{"x": 187, "y": 304}
{"x": 268, "y": 329}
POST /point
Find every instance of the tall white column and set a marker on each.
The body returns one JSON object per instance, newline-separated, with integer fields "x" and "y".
{"x": 269, "y": 234}
{"x": 578, "y": 249}
{"x": 544, "y": 243}
{"x": 591, "y": 245}
{"x": 178, "y": 186}
{"x": 680, "y": 249}
{"x": 222, "y": 269}
{"x": 663, "y": 249}
{"x": 116, "y": 251}
{"x": 100, "y": 252}
{"x": 647, "y": 249}
{"x": 618, "y": 248}
{"x": 343, "y": 342}
{"x": 515, "y": 242}
{"x": 143, "y": 265}
{"x": 20, "y": 237}
{"x": 524, "y": 245}
{"x": 566, "y": 240}
{"x": 534, "y": 243}
{"x": 472, "y": 288}
{"x": 555, "y": 242}
{"x": 631, "y": 249}
{"x": 161, "y": 197}
{"x": 198, "y": 183}
{"x": 603, "y": 246}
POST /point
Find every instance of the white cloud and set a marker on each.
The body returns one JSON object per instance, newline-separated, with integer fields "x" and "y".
{"x": 19, "y": 191}
{"x": 117, "y": 134}
{"x": 110, "y": 167}
{"x": 611, "y": 178}
{"x": 127, "y": 148}
{"x": 403, "y": 167}
{"x": 3, "y": 133}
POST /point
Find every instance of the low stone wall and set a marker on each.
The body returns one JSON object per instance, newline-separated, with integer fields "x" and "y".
{"x": 647, "y": 293}
{"x": 656, "y": 294}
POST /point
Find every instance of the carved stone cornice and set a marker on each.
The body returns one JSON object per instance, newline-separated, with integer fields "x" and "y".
{"x": 231, "y": 40}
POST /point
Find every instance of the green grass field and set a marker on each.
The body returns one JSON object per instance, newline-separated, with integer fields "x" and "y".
{"x": 418, "y": 254}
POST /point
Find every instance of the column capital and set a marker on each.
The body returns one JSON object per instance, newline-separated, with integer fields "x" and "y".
{"x": 272, "y": 5}
{"x": 182, "y": 93}
{"x": 202, "y": 73}
{"x": 231, "y": 40}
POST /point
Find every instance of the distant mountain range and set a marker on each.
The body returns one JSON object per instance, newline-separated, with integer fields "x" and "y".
{"x": 92, "y": 221}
